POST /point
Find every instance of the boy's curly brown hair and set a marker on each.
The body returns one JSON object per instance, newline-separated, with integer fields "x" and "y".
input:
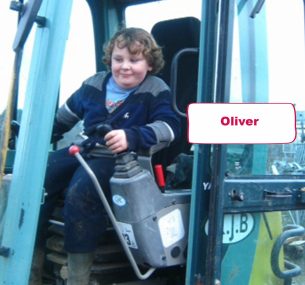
{"x": 137, "y": 41}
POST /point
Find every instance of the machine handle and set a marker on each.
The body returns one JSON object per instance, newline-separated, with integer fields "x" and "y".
{"x": 293, "y": 270}
{"x": 174, "y": 76}
{"x": 75, "y": 150}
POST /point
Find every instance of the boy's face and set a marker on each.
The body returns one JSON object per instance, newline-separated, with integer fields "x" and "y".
{"x": 128, "y": 70}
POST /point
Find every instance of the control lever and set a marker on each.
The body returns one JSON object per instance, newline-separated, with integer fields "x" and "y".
{"x": 75, "y": 151}
{"x": 103, "y": 129}
{"x": 95, "y": 135}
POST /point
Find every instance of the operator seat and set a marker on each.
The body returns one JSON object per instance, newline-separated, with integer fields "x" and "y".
{"x": 174, "y": 36}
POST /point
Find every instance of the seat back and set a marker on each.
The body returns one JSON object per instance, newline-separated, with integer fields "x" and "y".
{"x": 174, "y": 36}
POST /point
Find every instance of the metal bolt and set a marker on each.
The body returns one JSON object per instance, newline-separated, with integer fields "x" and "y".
{"x": 41, "y": 21}
{"x": 4, "y": 251}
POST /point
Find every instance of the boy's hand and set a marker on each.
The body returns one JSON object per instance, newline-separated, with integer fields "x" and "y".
{"x": 116, "y": 141}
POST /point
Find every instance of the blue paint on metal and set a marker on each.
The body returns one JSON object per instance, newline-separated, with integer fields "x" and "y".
{"x": 33, "y": 144}
{"x": 238, "y": 260}
{"x": 254, "y": 79}
{"x": 254, "y": 72}
{"x": 199, "y": 198}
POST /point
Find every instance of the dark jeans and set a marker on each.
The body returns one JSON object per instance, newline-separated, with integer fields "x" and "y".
{"x": 84, "y": 214}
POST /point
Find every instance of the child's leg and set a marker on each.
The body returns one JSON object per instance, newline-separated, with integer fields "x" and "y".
{"x": 84, "y": 214}
{"x": 60, "y": 169}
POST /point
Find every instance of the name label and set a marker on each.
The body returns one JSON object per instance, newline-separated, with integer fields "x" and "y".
{"x": 235, "y": 121}
{"x": 241, "y": 123}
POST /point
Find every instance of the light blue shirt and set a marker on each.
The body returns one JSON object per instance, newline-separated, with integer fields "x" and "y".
{"x": 115, "y": 95}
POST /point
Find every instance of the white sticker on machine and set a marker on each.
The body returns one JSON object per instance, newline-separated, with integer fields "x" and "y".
{"x": 171, "y": 228}
{"x": 127, "y": 232}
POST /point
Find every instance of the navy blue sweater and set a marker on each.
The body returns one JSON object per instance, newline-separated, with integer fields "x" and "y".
{"x": 146, "y": 115}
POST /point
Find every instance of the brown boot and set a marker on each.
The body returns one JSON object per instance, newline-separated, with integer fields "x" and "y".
{"x": 79, "y": 268}
{"x": 37, "y": 267}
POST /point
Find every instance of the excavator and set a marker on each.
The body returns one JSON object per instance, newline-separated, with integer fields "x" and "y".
{"x": 190, "y": 213}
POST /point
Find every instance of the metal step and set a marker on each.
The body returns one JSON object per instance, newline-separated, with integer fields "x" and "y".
{"x": 97, "y": 268}
{"x": 104, "y": 252}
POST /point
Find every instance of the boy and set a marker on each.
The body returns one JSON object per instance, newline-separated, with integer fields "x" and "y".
{"x": 137, "y": 106}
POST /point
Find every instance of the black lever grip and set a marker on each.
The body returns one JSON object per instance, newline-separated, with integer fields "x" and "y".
{"x": 103, "y": 129}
